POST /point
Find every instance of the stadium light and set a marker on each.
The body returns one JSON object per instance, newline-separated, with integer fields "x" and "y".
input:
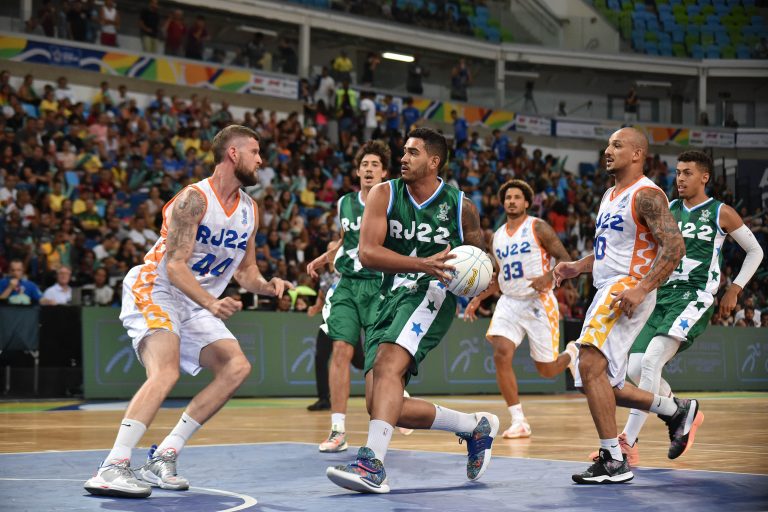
{"x": 253, "y": 30}
{"x": 523, "y": 74}
{"x": 651, "y": 83}
{"x": 398, "y": 57}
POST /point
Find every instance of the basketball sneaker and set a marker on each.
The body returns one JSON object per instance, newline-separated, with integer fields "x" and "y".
{"x": 336, "y": 442}
{"x": 366, "y": 474}
{"x": 519, "y": 429}
{"x": 573, "y": 350}
{"x": 632, "y": 452}
{"x": 605, "y": 470}
{"x": 403, "y": 430}
{"x": 117, "y": 479}
{"x": 682, "y": 426}
{"x": 479, "y": 443}
{"x": 160, "y": 470}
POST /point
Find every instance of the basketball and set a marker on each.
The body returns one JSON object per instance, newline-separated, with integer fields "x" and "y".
{"x": 473, "y": 271}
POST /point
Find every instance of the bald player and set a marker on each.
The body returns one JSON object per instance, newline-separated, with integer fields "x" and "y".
{"x": 637, "y": 246}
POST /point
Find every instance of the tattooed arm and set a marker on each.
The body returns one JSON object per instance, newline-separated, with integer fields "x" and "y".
{"x": 653, "y": 210}
{"x": 470, "y": 225}
{"x": 552, "y": 244}
{"x": 186, "y": 214}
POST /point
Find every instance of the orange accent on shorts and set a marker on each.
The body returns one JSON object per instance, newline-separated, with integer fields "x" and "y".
{"x": 552, "y": 309}
{"x": 153, "y": 314}
{"x": 604, "y": 318}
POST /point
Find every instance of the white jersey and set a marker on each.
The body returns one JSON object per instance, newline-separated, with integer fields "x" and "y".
{"x": 521, "y": 258}
{"x": 220, "y": 243}
{"x": 623, "y": 246}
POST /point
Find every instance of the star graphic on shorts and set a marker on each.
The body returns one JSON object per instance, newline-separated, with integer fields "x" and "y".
{"x": 440, "y": 285}
{"x": 431, "y": 307}
{"x": 684, "y": 324}
{"x": 699, "y": 305}
{"x": 417, "y": 329}
{"x": 715, "y": 275}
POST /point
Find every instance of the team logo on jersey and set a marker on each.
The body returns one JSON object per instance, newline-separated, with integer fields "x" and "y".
{"x": 704, "y": 217}
{"x": 623, "y": 202}
{"x": 525, "y": 232}
{"x": 244, "y": 211}
{"x": 686, "y": 295}
{"x": 442, "y": 216}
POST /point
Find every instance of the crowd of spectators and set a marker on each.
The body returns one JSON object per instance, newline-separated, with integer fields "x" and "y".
{"x": 83, "y": 182}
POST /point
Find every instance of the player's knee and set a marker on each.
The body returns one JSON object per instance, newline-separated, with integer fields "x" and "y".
{"x": 240, "y": 368}
{"x": 342, "y": 352}
{"x": 165, "y": 379}
{"x": 546, "y": 370}
{"x": 650, "y": 365}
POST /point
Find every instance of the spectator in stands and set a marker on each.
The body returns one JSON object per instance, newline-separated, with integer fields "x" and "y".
{"x": 460, "y": 129}
{"x": 60, "y": 293}
{"x": 410, "y": 115}
{"x": 630, "y": 106}
{"x": 16, "y": 290}
{"x": 44, "y": 20}
{"x": 255, "y": 51}
{"x": 149, "y": 27}
{"x": 704, "y": 119}
{"x": 197, "y": 36}
{"x": 325, "y": 87}
{"x": 27, "y": 92}
{"x": 368, "y": 110}
{"x": 343, "y": 67}
{"x": 748, "y": 315}
{"x": 175, "y": 29}
{"x": 731, "y": 122}
{"x": 288, "y": 58}
{"x": 461, "y": 78}
{"x": 416, "y": 73}
{"x": 346, "y": 111}
{"x": 63, "y": 91}
{"x": 77, "y": 21}
{"x": 372, "y": 61}
{"x": 391, "y": 115}
{"x": 102, "y": 293}
{"x": 109, "y": 20}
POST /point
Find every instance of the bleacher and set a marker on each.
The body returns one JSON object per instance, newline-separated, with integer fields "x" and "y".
{"x": 699, "y": 29}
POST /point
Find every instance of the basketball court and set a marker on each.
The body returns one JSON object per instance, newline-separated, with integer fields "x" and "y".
{"x": 261, "y": 454}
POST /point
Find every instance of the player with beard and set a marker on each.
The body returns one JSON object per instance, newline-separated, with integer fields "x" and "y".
{"x": 523, "y": 248}
{"x": 637, "y": 246}
{"x": 686, "y": 302}
{"x": 172, "y": 313}
{"x": 409, "y": 227}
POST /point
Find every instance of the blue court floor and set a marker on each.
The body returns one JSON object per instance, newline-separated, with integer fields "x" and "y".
{"x": 291, "y": 477}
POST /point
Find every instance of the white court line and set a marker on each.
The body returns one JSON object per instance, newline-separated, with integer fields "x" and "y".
{"x": 391, "y": 449}
{"x": 248, "y": 501}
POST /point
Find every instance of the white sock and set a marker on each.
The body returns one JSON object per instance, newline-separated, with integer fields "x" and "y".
{"x": 180, "y": 434}
{"x": 379, "y": 436}
{"x": 634, "y": 425}
{"x": 337, "y": 422}
{"x": 128, "y": 436}
{"x": 453, "y": 421}
{"x": 517, "y": 412}
{"x": 663, "y": 405}
{"x": 612, "y": 445}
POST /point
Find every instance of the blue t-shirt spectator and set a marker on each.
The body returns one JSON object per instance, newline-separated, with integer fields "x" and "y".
{"x": 25, "y": 292}
{"x": 500, "y": 146}
{"x": 460, "y": 129}
{"x": 410, "y": 115}
{"x": 393, "y": 117}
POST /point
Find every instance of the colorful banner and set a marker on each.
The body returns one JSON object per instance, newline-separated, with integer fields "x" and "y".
{"x": 532, "y": 124}
{"x": 156, "y": 68}
{"x": 752, "y": 139}
{"x": 584, "y": 130}
{"x": 713, "y": 139}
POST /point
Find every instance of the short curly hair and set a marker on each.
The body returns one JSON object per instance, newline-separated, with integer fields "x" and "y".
{"x": 518, "y": 184}
{"x": 374, "y": 147}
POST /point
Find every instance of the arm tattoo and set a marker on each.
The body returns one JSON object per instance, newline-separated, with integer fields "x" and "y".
{"x": 186, "y": 214}
{"x": 550, "y": 241}
{"x": 654, "y": 211}
{"x": 470, "y": 223}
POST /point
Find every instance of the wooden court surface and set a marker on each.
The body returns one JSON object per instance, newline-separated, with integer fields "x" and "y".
{"x": 733, "y": 437}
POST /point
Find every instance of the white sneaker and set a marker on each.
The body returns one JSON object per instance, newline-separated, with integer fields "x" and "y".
{"x": 117, "y": 479}
{"x": 519, "y": 429}
{"x": 336, "y": 442}
{"x": 403, "y": 430}
{"x": 160, "y": 470}
{"x": 572, "y": 349}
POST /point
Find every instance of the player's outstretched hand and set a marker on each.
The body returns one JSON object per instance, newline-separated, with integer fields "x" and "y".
{"x": 225, "y": 308}
{"x": 316, "y": 264}
{"x": 436, "y": 265}
{"x": 470, "y": 312}
{"x": 277, "y": 286}
{"x": 565, "y": 270}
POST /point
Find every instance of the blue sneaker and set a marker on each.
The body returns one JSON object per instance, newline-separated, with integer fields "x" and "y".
{"x": 479, "y": 443}
{"x": 366, "y": 474}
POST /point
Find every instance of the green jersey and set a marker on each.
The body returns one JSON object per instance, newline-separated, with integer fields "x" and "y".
{"x": 700, "y": 267}
{"x": 421, "y": 229}
{"x": 347, "y": 262}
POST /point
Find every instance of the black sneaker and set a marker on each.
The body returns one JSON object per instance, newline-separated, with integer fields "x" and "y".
{"x": 605, "y": 470}
{"x": 322, "y": 404}
{"x": 682, "y": 426}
